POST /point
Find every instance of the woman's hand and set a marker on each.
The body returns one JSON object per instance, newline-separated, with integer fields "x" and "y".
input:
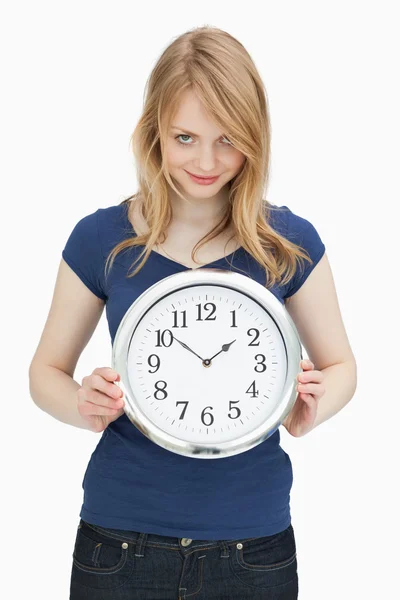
{"x": 301, "y": 418}
{"x": 99, "y": 399}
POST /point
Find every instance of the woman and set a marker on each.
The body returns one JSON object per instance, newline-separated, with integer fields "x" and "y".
{"x": 155, "y": 524}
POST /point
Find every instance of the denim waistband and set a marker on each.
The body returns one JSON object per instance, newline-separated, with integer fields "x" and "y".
{"x": 141, "y": 540}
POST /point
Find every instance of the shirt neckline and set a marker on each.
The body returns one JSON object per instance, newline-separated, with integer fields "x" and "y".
{"x": 175, "y": 262}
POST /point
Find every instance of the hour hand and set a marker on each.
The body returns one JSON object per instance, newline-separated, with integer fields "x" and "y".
{"x": 225, "y": 348}
{"x": 187, "y": 348}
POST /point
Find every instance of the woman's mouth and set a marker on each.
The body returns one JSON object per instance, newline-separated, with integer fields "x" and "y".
{"x": 202, "y": 180}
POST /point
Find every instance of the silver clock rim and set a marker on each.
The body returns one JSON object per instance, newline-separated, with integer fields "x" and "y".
{"x": 256, "y": 292}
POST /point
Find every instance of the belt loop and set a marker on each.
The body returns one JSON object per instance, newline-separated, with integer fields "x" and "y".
{"x": 141, "y": 543}
{"x": 224, "y": 549}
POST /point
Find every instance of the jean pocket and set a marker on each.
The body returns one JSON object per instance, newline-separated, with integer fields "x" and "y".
{"x": 266, "y": 562}
{"x": 100, "y": 561}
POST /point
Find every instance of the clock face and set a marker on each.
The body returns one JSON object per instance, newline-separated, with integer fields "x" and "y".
{"x": 207, "y": 364}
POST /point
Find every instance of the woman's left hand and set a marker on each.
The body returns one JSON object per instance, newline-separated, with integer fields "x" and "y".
{"x": 301, "y": 418}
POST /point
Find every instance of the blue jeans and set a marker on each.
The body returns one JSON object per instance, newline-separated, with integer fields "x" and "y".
{"x": 114, "y": 564}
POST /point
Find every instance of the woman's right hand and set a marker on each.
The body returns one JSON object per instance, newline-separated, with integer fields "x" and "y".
{"x": 99, "y": 400}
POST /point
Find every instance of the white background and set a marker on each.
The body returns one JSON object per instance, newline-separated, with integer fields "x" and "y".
{"x": 73, "y": 76}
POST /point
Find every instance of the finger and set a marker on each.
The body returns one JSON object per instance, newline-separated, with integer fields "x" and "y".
{"x": 107, "y": 373}
{"x": 89, "y": 409}
{"x": 105, "y": 400}
{"x": 93, "y": 397}
{"x": 310, "y": 401}
{"x": 310, "y": 377}
{"x": 110, "y": 389}
{"x": 306, "y": 364}
{"x": 308, "y": 398}
{"x": 310, "y": 405}
{"x": 310, "y": 388}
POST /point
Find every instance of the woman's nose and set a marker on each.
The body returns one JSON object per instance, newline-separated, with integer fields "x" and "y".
{"x": 206, "y": 160}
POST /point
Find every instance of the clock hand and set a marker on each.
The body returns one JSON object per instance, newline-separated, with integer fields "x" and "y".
{"x": 224, "y": 348}
{"x": 187, "y": 347}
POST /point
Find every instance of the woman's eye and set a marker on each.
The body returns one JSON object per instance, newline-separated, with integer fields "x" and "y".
{"x": 184, "y": 135}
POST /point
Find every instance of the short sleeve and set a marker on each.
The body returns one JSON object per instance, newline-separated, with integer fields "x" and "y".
{"x": 303, "y": 233}
{"x": 82, "y": 252}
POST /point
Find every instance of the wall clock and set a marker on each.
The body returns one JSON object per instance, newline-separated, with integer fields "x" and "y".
{"x": 208, "y": 360}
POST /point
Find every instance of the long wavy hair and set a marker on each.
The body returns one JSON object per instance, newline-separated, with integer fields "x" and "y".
{"x": 217, "y": 68}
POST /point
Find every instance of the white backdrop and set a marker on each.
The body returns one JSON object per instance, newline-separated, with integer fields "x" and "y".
{"x": 73, "y": 76}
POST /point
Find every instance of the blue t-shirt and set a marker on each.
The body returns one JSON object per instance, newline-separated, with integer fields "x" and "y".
{"x": 134, "y": 484}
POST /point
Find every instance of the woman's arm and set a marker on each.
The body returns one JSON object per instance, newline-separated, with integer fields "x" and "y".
{"x": 315, "y": 311}
{"x": 55, "y": 392}
{"x": 340, "y": 383}
{"x": 74, "y": 314}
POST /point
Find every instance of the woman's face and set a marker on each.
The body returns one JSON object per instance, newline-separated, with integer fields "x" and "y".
{"x": 205, "y": 151}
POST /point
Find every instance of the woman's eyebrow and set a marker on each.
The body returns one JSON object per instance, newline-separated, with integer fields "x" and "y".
{"x": 187, "y": 131}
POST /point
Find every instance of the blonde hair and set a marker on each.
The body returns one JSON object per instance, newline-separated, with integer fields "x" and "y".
{"x": 217, "y": 68}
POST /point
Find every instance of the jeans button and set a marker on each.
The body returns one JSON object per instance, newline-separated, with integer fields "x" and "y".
{"x": 186, "y": 541}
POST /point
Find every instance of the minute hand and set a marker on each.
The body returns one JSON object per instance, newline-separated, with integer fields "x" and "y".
{"x": 224, "y": 348}
{"x": 187, "y": 348}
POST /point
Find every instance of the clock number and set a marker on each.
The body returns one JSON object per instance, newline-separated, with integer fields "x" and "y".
{"x": 210, "y": 316}
{"x": 256, "y": 337}
{"x": 260, "y": 364}
{"x": 160, "y": 337}
{"x": 209, "y": 415}
{"x": 175, "y": 313}
{"x": 233, "y": 313}
{"x": 234, "y": 408}
{"x": 184, "y": 410}
{"x": 252, "y": 390}
{"x": 157, "y": 365}
{"x": 161, "y": 390}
